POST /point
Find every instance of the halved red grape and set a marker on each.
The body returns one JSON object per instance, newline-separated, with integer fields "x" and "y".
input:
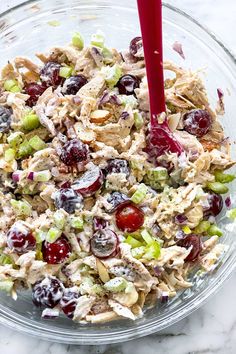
{"x": 197, "y": 122}
{"x": 49, "y": 74}
{"x": 47, "y": 292}
{"x": 73, "y": 152}
{"x": 117, "y": 166}
{"x": 73, "y": 84}
{"x": 115, "y": 200}
{"x": 90, "y": 182}
{"x": 136, "y": 47}
{"x": 67, "y": 199}
{"x": 193, "y": 241}
{"x": 69, "y": 301}
{"x": 129, "y": 218}
{"x": 34, "y": 90}
{"x": 20, "y": 238}
{"x": 127, "y": 84}
{"x": 161, "y": 140}
{"x": 215, "y": 204}
{"x": 56, "y": 252}
{"x": 104, "y": 243}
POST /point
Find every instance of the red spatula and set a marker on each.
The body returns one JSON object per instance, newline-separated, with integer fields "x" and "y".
{"x": 160, "y": 138}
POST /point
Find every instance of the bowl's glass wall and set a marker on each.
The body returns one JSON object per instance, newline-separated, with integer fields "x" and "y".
{"x": 25, "y": 31}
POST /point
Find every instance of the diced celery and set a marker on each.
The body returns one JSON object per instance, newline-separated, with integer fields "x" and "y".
{"x": 98, "y": 40}
{"x": 107, "y": 54}
{"x": 21, "y": 207}
{"x": 42, "y": 176}
{"x": 24, "y": 150}
{"x": 112, "y": 74}
{"x": 157, "y": 174}
{"x": 14, "y": 139}
{"x": 129, "y": 101}
{"x": 5, "y": 259}
{"x": 147, "y": 237}
{"x": 202, "y": 227}
{"x": 153, "y": 251}
{"x": 53, "y": 234}
{"x": 140, "y": 194}
{"x": 222, "y": 177}
{"x": 133, "y": 242}
{"x": 77, "y": 41}
{"x": 138, "y": 252}
{"x": 9, "y": 154}
{"x": 231, "y": 214}
{"x": 6, "y": 285}
{"x": 116, "y": 285}
{"x": 59, "y": 219}
{"x": 217, "y": 187}
{"x": 97, "y": 289}
{"x": 40, "y": 236}
{"x": 37, "y": 143}
{"x": 11, "y": 86}
{"x": 30, "y": 121}
{"x": 186, "y": 229}
{"x": 138, "y": 120}
{"x": 65, "y": 71}
{"x": 39, "y": 253}
{"x": 77, "y": 222}
{"x": 214, "y": 230}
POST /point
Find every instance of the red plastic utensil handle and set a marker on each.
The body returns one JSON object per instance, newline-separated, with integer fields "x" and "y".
{"x": 150, "y": 15}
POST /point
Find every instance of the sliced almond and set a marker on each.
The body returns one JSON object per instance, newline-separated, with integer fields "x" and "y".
{"x": 87, "y": 136}
{"x": 102, "y": 271}
{"x": 100, "y": 116}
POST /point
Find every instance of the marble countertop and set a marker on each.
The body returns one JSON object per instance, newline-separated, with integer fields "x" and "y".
{"x": 211, "y": 329}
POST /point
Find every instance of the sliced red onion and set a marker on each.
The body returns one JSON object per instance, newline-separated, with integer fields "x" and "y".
{"x": 50, "y": 313}
{"x": 180, "y": 235}
{"x": 16, "y": 176}
{"x": 77, "y": 100}
{"x": 114, "y": 99}
{"x": 180, "y": 219}
{"x": 178, "y": 49}
{"x": 164, "y": 297}
{"x": 30, "y": 176}
{"x": 220, "y": 94}
{"x": 97, "y": 56}
{"x": 99, "y": 223}
{"x": 158, "y": 270}
{"x": 104, "y": 99}
{"x": 228, "y": 202}
{"x": 124, "y": 115}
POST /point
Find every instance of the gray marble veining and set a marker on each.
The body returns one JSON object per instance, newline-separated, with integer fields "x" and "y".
{"x": 212, "y": 328}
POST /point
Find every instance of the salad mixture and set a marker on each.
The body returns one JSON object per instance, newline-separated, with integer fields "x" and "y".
{"x": 101, "y": 215}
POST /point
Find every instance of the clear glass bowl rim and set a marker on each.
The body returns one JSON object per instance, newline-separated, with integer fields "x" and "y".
{"x": 115, "y": 336}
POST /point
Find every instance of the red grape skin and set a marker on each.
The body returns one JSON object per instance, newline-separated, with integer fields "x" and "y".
{"x": 129, "y": 218}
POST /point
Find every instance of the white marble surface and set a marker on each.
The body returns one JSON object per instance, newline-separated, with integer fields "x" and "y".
{"x": 211, "y": 329}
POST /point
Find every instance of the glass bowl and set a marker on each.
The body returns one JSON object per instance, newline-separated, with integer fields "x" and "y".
{"x": 35, "y": 26}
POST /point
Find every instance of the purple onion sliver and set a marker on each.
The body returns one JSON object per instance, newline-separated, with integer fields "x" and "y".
{"x": 178, "y": 49}
{"x": 220, "y": 93}
{"x": 164, "y": 297}
{"x": 158, "y": 270}
{"x": 15, "y": 176}
{"x": 124, "y": 115}
{"x": 30, "y": 176}
{"x": 104, "y": 99}
{"x": 99, "y": 223}
{"x": 228, "y": 202}
{"x": 180, "y": 219}
{"x": 77, "y": 100}
{"x": 180, "y": 235}
{"x": 114, "y": 99}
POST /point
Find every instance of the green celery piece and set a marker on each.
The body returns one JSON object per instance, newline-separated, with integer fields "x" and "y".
{"x": 116, "y": 285}
{"x": 77, "y": 222}
{"x": 21, "y": 207}
{"x": 9, "y": 155}
{"x": 111, "y": 74}
{"x": 30, "y": 121}
{"x": 147, "y": 237}
{"x": 186, "y": 229}
{"x": 11, "y": 86}
{"x": 24, "y": 150}
{"x": 77, "y": 41}
{"x": 5, "y": 259}
{"x": 214, "y": 230}
{"x": 66, "y": 71}
{"x": 53, "y": 234}
{"x": 59, "y": 219}
{"x": 138, "y": 252}
{"x": 202, "y": 227}
{"x": 98, "y": 40}
{"x": 15, "y": 139}
{"x": 139, "y": 194}
{"x": 138, "y": 120}
{"x": 153, "y": 251}
{"x": 133, "y": 242}
{"x": 231, "y": 214}
{"x": 222, "y": 177}
{"x": 37, "y": 143}
{"x": 217, "y": 187}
